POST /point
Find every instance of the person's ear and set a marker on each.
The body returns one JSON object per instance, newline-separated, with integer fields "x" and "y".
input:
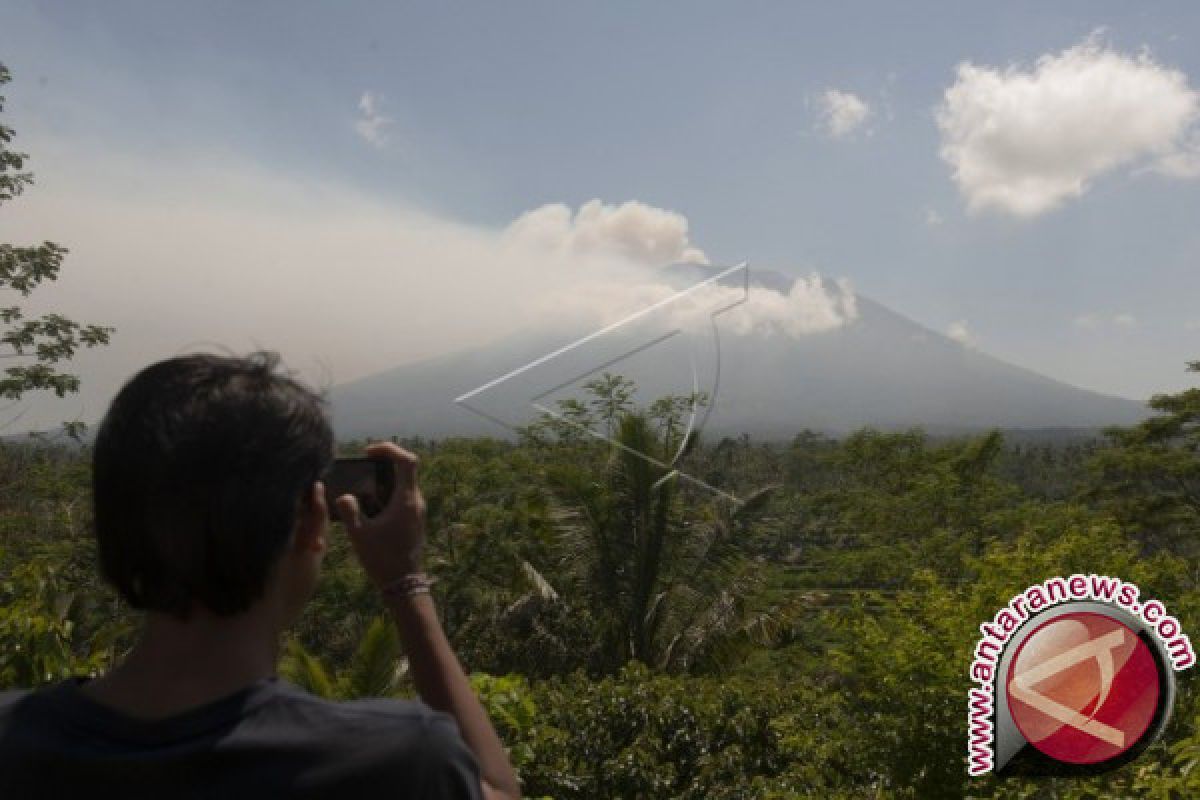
{"x": 313, "y": 524}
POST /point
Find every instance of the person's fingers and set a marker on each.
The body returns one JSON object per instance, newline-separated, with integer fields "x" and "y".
{"x": 404, "y": 462}
{"x": 390, "y": 450}
{"x": 349, "y": 512}
{"x": 405, "y": 495}
{"x": 320, "y": 502}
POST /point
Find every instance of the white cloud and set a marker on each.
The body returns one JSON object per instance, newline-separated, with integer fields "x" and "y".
{"x": 812, "y": 305}
{"x": 933, "y": 218}
{"x": 342, "y": 284}
{"x": 372, "y": 124}
{"x": 961, "y": 333}
{"x": 634, "y": 231}
{"x": 1184, "y": 162}
{"x": 842, "y": 112}
{"x": 1092, "y": 321}
{"x": 1024, "y": 141}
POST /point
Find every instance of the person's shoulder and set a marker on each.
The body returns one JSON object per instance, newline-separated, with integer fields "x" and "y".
{"x": 404, "y": 737}
{"x": 439, "y": 733}
{"x": 24, "y": 713}
{"x": 365, "y": 712}
{"x": 15, "y": 702}
{"x": 391, "y": 722}
{"x": 10, "y": 699}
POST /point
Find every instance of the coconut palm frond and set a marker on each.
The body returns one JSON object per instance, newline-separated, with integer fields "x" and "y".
{"x": 668, "y": 652}
{"x": 306, "y": 670}
{"x": 763, "y": 628}
{"x": 585, "y": 565}
{"x": 711, "y": 624}
{"x": 723, "y": 617}
{"x": 374, "y": 670}
{"x": 754, "y": 503}
{"x": 574, "y": 543}
{"x": 539, "y": 584}
{"x": 655, "y": 605}
{"x": 711, "y": 559}
{"x": 520, "y": 611}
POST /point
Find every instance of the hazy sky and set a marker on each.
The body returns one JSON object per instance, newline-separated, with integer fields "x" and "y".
{"x": 360, "y": 184}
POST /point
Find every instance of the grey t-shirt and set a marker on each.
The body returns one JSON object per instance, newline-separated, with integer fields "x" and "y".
{"x": 269, "y": 740}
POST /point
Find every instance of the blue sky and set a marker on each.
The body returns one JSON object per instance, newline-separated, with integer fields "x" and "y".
{"x": 716, "y": 111}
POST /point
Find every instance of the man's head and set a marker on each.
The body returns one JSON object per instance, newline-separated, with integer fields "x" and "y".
{"x": 203, "y": 474}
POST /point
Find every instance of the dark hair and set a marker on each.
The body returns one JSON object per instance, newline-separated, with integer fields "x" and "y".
{"x": 198, "y": 471}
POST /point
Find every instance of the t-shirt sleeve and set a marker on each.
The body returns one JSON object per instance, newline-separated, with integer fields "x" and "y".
{"x": 451, "y": 771}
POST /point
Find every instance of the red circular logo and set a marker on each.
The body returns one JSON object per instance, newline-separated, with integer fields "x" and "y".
{"x": 1083, "y": 688}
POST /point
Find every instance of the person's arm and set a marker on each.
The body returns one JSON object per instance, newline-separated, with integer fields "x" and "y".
{"x": 389, "y": 547}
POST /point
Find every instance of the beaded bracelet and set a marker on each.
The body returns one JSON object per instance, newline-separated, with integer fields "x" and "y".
{"x": 408, "y": 585}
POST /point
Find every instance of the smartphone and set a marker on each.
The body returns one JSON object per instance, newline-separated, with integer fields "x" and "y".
{"x": 370, "y": 480}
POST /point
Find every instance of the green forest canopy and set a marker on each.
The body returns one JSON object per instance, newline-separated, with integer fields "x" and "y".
{"x": 634, "y": 641}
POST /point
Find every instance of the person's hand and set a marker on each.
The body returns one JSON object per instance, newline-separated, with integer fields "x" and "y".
{"x": 389, "y": 544}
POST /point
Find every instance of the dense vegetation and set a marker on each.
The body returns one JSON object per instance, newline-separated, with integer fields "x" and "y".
{"x": 635, "y": 635}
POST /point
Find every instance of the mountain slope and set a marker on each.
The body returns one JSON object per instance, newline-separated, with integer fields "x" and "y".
{"x": 882, "y": 369}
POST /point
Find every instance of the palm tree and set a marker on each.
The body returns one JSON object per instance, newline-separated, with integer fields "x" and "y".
{"x": 375, "y": 670}
{"x": 667, "y": 585}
